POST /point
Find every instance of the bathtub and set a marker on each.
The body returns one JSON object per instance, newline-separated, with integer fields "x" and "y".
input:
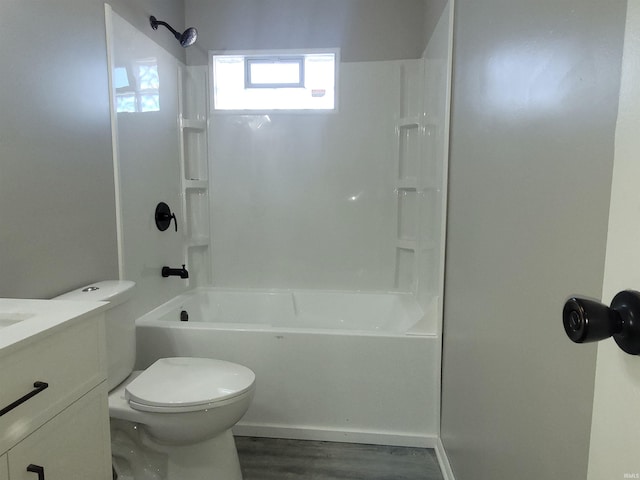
{"x": 336, "y": 366}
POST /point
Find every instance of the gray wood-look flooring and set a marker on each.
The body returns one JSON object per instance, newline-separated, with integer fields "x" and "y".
{"x": 279, "y": 459}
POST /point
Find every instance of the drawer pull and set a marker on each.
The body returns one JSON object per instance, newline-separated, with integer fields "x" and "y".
{"x": 36, "y": 469}
{"x": 37, "y": 388}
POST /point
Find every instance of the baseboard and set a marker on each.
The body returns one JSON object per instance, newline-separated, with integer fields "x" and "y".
{"x": 345, "y": 436}
{"x": 443, "y": 460}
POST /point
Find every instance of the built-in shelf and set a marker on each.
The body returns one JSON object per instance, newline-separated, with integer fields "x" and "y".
{"x": 406, "y": 244}
{"x": 408, "y": 183}
{"x": 408, "y": 122}
{"x": 192, "y": 90}
{"x": 199, "y": 241}
{"x": 192, "y": 124}
{"x": 196, "y": 184}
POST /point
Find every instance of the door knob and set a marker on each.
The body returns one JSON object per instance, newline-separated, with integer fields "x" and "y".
{"x": 587, "y": 321}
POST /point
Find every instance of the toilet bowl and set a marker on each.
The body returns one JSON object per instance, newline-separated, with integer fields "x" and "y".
{"x": 180, "y": 401}
{"x": 172, "y": 420}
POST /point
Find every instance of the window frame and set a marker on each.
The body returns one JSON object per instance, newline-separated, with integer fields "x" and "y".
{"x": 273, "y": 54}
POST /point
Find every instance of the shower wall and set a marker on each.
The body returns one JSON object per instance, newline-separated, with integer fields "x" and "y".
{"x": 347, "y": 200}
{"x": 147, "y": 150}
{"x": 330, "y": 200}
{"x": 308, "y": 200}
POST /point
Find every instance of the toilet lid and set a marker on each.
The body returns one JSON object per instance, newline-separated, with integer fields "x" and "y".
{"x": 185, "y": 382}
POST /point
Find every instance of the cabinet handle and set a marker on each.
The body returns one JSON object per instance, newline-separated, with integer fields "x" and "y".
{"x": 37, "y": 388}
{"x": 36, "y": 469}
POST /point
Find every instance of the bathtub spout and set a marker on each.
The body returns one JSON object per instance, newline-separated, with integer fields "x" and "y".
{"x": 175, "y": 272}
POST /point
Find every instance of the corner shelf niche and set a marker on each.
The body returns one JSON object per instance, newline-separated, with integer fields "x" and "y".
{"x": 408, "y": 135}
{"x": 194, "y": 175}
{"x": 416, "y": 183}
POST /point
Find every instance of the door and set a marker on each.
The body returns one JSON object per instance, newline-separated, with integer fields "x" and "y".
{"x": 615, "y": 444}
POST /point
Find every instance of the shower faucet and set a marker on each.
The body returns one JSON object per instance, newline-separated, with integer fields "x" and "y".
{"x": 175, "y": 272}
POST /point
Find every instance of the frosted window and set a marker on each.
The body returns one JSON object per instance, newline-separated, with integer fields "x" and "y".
{"x": 268, "y": 81}
{"x": 274, "y": 73}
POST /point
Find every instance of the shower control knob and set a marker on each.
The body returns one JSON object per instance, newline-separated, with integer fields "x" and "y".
{"x": 163, "y": 217}
{"x": 586, "y": 320}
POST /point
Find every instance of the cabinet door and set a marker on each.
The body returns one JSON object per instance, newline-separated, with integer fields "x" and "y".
{"x": 4, "y": 472}
{"x": 74, "y": 445}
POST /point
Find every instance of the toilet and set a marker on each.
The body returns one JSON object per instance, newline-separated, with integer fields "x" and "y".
{"x": 173, "y": 420}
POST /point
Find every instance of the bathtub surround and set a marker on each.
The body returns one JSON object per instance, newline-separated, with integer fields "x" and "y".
{"x": 308, "y": 200}
{"x": 147, "y": 150}
{"x": 347, "y": 200}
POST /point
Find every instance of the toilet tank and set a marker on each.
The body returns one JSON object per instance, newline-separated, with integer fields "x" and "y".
{"x": 120, "y": 327}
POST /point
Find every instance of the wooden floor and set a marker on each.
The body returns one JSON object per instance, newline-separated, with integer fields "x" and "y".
{"x": 278, "y": 459}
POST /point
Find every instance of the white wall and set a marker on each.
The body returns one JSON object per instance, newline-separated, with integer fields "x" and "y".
{"x": 616, "y": 407}
{"x": 534, "y": 109}
{"x": 149, "y": 168}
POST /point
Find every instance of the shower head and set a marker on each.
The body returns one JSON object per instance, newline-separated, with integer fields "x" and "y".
{"x": 186, "y": 38}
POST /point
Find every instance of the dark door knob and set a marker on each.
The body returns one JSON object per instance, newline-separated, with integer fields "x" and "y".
{"x": 586, "y": 320}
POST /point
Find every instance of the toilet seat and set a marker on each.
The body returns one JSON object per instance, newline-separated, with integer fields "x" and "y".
{"x": 186, "y": 384}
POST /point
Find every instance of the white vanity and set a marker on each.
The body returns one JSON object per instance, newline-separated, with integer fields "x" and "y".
{"x": 54, "y": 416}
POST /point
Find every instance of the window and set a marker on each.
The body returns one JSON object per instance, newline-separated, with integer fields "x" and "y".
{"x": 278, "y": 72}
{"x": 267, "y": 81}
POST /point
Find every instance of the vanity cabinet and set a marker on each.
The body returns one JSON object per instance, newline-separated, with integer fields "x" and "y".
{"x": 55, "y": 414}
{"x": 70, "y": 446}
{"x": 4, "y": 473}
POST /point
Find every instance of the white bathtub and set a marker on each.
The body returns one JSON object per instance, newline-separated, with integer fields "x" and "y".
{"x": 337, "y": 366}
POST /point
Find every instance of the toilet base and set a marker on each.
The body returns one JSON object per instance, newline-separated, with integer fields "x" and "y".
{"x": 138, "y": 457}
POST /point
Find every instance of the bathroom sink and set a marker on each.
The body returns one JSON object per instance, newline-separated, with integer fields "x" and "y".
{"x": 24, "y": 320}
{"x": 8, "y": 319}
